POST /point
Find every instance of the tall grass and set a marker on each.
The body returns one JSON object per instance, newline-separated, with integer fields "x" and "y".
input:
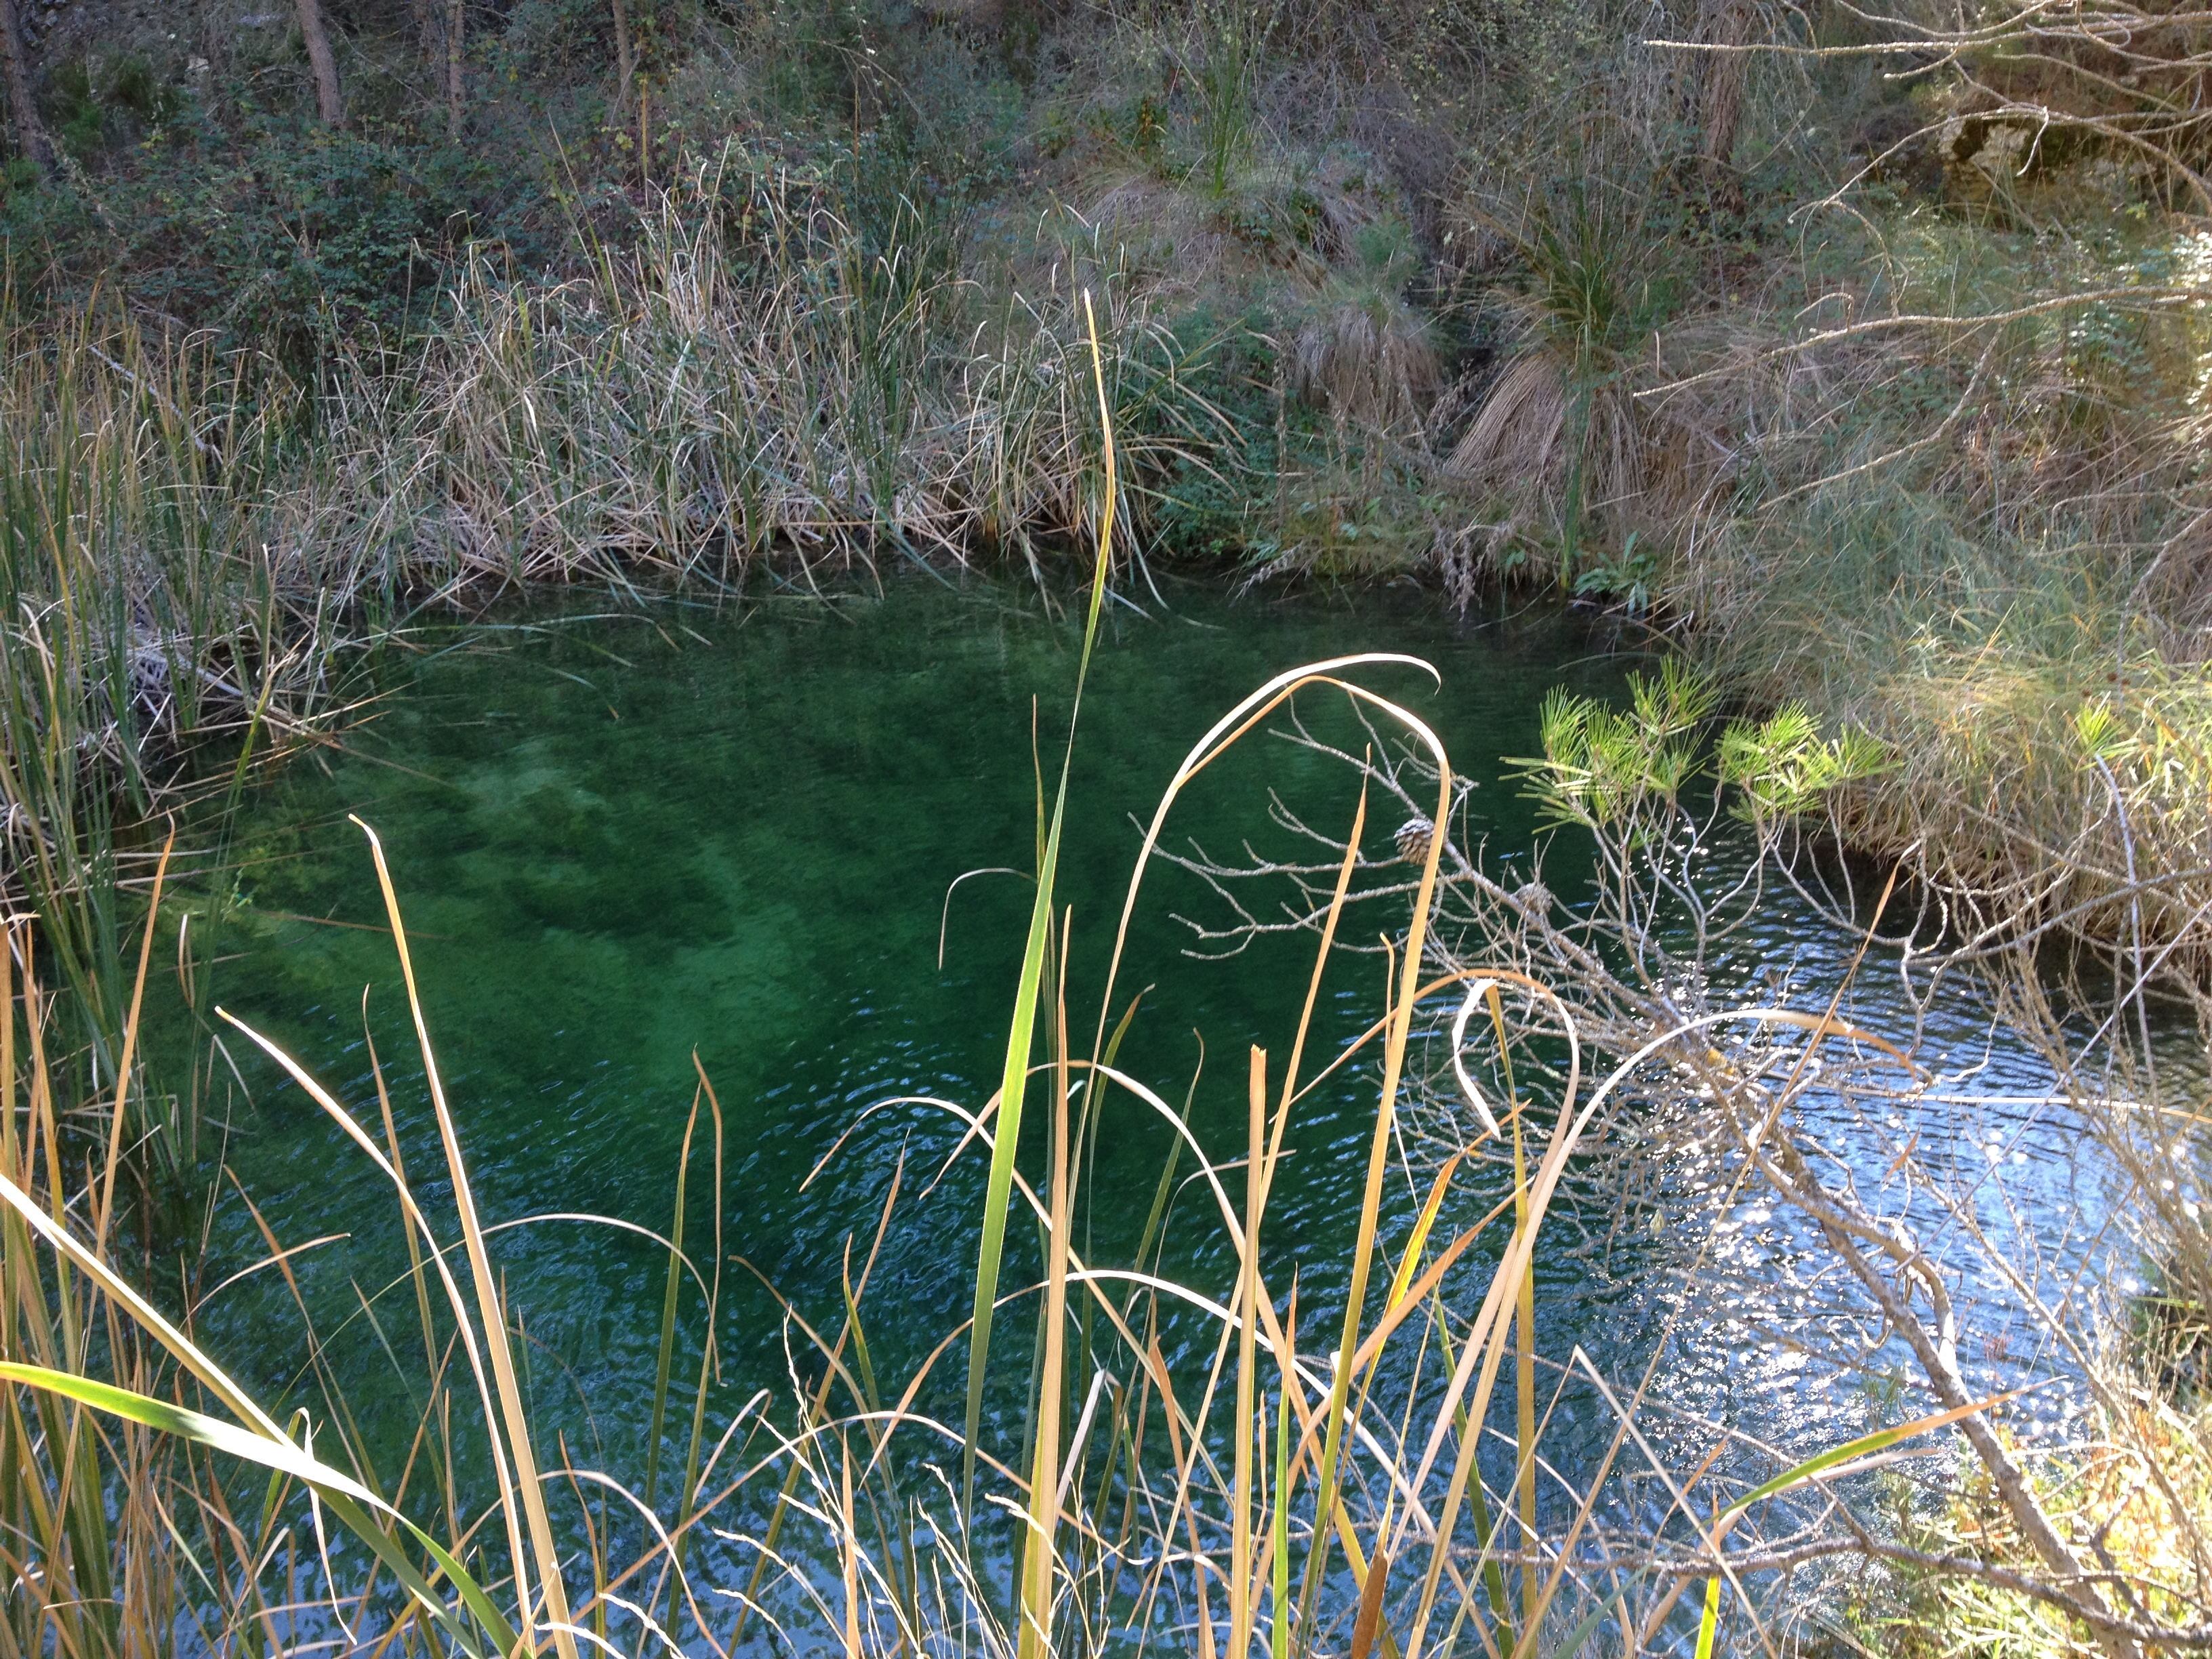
{"x": 1289, "y": 1494}
{"x": 198, "y": 554}
{"x": 2075, "y": 1536}
{"x": 751, "y": 382}
{"x": 1279, "y": 1495}
{"x": 142, "y": 630}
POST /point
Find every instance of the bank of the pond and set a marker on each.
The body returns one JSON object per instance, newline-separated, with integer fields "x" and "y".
{"x": 201, "y": 549}
{"x": 201, "y": 553}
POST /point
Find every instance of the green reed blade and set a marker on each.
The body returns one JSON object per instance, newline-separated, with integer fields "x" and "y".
{"x": 1865, "y": 1446}
{"x": 348, "y": 1500}
{"x": 1708, "y": 1626}
{"x": 1279, "y": 1644}
{"x": 1015, "y": 1075}
{"x": 665, "y": 1359}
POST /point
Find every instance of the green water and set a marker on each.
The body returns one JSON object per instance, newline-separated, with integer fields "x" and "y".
{"x": 621, "y": 840}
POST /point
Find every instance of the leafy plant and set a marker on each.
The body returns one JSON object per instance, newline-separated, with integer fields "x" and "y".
{"x": 1610, "y": 770}
{"x": 1631, "y": 577}
{"x": 1783, "y": 767}
{"x": 1600, "y": 763}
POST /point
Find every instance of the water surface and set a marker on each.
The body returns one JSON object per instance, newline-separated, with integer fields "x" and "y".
{"x": 642, "y": 847}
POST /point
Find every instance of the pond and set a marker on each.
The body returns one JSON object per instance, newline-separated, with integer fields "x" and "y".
{"x": 639, "y": 846}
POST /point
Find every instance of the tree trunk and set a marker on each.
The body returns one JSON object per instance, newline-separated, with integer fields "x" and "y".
{"x": 30, "y": 136}
{"x": 625, "y": 53}
{"x": 457, "y": 22}
{"x": 1726, "y": 24}
{"x": 329, "y": 103}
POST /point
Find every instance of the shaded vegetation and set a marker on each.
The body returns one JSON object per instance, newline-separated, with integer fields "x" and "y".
{"x": 1481, "y": 293}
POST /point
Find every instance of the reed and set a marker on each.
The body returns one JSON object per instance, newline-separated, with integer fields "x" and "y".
{"x": 753, "y": 382}
{"x": 151, "y": 651}
{"x": 1173, "y": 1510}
{"x": 198, "y": 555}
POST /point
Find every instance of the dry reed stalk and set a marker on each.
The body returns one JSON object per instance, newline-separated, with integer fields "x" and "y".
{"x": 1081, "y": 1543}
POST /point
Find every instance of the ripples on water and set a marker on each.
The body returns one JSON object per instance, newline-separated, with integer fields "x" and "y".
{"x": 620, "y": 840}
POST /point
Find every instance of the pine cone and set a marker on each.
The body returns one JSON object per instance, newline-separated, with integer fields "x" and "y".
{"x": 1414, "y": 838}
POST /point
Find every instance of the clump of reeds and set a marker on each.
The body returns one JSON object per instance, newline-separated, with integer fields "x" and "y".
{"x": 87, "y": 1507}
{"x": 194, "y": 549}
{"x": 753, "y": 380}
{"x": 188, "y": 535}
{"x": 145, "y": 627}
{"x": 1281, "y": 1499}
{"x": 1561, "y": 446}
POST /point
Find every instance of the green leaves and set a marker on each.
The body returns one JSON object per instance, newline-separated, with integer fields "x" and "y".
{"x": 1022, "y": 1031}
{"x": 1782, "y": 765}
{"x": 2099, "y": 728}
{"x": 1602, "y": 767}
{"x": 1630, "y": 578}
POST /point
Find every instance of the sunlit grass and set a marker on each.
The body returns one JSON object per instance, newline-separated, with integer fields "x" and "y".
{"x": 1276, "y": 1496}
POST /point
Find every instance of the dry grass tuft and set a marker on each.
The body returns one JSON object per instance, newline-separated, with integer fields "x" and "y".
{"x": 1367, "y": 358}
{"x": 1536, "y": 428}
{"x": 1177, "y": 240}
{"x": 195, "y": 545}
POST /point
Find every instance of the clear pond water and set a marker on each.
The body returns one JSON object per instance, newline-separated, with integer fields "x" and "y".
{"x": 625, "y": 839}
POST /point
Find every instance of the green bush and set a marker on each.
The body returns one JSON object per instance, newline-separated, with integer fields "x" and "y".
{"x": 289, "y": 240}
